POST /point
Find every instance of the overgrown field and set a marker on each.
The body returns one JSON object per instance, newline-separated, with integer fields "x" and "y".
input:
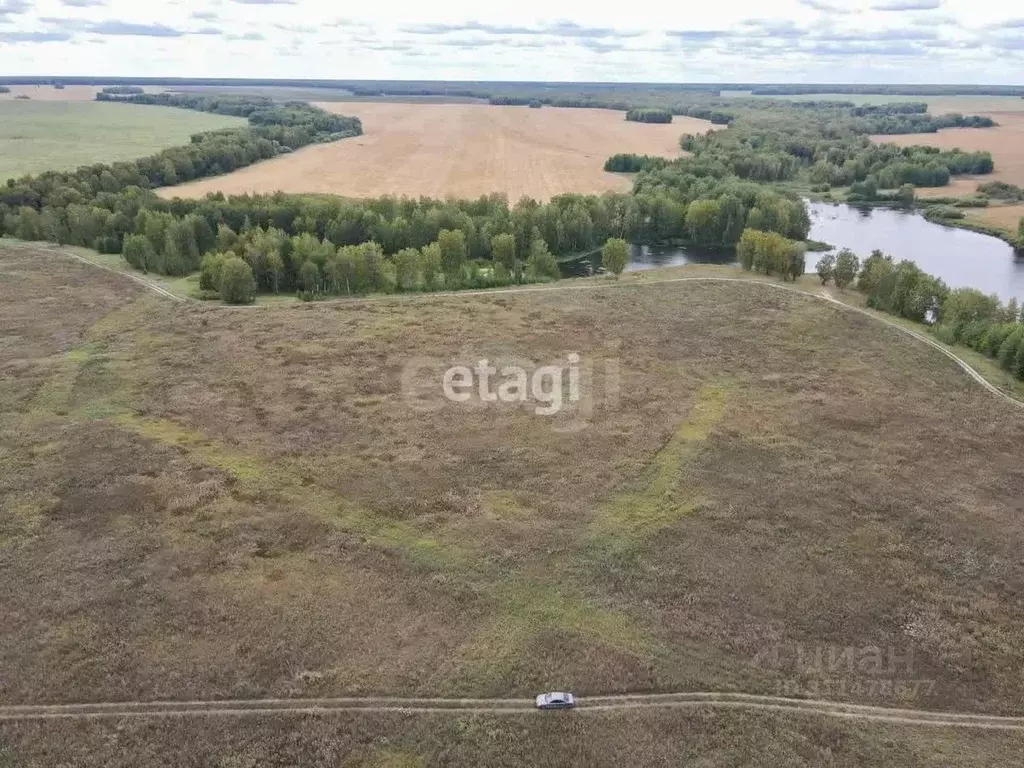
{"x": 202, "y": 502}
{"x": 37, "y": 136}
{"x": 439, "y": 150}
{"x": 718, "y": 739}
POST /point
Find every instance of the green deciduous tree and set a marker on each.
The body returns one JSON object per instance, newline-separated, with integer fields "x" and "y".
{"x": 503, "y": 251}
{"x": 408, "y": 274}
{"x": 826, "y": 267}
{"x": 309, "y": 277}
{"x": 138, "y": 252}
{"x": 703, "y": 222}
{"x": 205, "y": 239}
{"x": 210, "y": 271}
{"x": 796, "y": 262}
{"x": 876, "y": 270}
{"x": 995, "y": 337}
{"x": 746, "y": 249}
{"x": 452, "y": 243}
{"x": 237, "y": 284}
{"x": 1018, "y": 363}
{"x": 905, "y": 194}
{"x": 1009, "y": 348}
{"x": 846, "y": 268}
{"x": 226, "y": 238}
{"x": 181, "y": 254}
{"x": 433, "y": 274}
{"x": 541, "y": 264}
{"x": 732, "y": 216}
{"x": 615, "y": 255}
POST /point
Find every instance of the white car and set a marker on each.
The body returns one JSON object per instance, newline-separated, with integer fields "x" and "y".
{"x": 556, "y": 700}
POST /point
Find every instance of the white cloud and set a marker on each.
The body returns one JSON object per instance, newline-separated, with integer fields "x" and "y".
{"x": 647, "y": 40}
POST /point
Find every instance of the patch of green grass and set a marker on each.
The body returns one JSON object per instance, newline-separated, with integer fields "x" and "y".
{"x": 634, "y": 515}
{"x": 21, "y": 516}
{"x": 55, "y": 394}
{"x": 196, "y": 444}
{"x": 37, "y": 136}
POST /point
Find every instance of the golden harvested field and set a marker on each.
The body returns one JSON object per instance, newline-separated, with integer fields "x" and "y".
{"x": 463, "y": 150}
{"x": 1005, "y": 216}
{"x": 1006, "y": 143}
{"x": 49, "y": 93}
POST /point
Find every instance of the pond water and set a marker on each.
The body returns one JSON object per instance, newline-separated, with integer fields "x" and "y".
{"x": 958, "y": 256}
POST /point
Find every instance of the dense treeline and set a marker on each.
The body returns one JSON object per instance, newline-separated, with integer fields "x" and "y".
{"x": 649, "y": 116}
{"x": 893, "y": 108}
{"x": 913, "y": 123}
{"x": 273, "y": 129}
{"x": 123, "y": 90}
{"x": 830, "y": 152}
{"x": 263, "y": 113}
{"x": 686, "y": 202}
{"x": 324, "y": 246}
{"x": 629, "y": 162}
{"x": 891, "y": 90}
{"x": 1002, "y": 191}
{"x": 960, "y": 316}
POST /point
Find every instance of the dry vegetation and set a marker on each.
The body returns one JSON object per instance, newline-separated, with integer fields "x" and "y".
{"x": 1005, "y": 216}
{"x": 461, "y": 150}
{"x": 202, "y": 502}
{"x": 719, "y": 739}
{"x": 49, "y": 93}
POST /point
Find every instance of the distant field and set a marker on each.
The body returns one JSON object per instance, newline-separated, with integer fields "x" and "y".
{"x": 49, "y": 93}
{"x": 40, "y": 136}
{"x": 460, "y": 150}
{"x": 280, "y": 93}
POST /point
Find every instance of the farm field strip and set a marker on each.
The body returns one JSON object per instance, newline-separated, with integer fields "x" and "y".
{"x": 460, "y": 150}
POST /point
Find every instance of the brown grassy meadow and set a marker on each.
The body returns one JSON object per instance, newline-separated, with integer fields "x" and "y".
{"x": 710, "y": 739}
{"x": 202, "y": 502}
{"x": 461, "y": 150}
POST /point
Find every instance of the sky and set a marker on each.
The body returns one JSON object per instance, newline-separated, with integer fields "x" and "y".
{"x": 798, "y": 41}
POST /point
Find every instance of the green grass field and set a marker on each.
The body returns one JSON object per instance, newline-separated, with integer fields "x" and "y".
{"x": 38, "y": 136}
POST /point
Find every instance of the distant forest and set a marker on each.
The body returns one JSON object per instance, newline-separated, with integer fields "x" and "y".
{"x": 731, "y": 183}
{"x": 485, "y": 90}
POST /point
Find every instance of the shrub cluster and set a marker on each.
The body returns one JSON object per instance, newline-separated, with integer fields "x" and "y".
{"x": 633, "y": 163}
{"x": 123, "y": 90}
{"x": 959, "y": 316}
{"x": 649, "y": 116}
{"x": 771, "y": 254}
